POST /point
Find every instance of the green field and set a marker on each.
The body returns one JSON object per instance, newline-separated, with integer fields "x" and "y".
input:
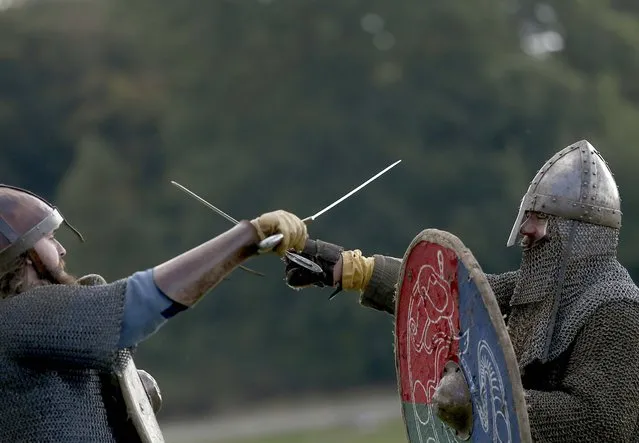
{"x": 391, "y": 432}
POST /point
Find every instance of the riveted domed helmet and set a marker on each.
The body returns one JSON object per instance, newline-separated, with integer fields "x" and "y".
{"x": 24, "y": 219}
{"x": 575, "y": 184}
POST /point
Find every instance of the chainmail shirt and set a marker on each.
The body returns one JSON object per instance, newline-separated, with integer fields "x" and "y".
{"x": 572, "y": 312}
{"x": 58, "y": 353}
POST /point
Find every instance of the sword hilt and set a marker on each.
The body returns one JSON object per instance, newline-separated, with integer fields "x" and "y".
{"x": 272, "y": 241}
{"x": 269, "y": 243}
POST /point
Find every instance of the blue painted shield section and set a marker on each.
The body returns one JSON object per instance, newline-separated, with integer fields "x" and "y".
{"x": 484, "y": 365}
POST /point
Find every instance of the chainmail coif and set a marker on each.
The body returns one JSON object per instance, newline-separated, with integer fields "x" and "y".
{"x": 573, "y": 318}
{"x": 561, "y": 283}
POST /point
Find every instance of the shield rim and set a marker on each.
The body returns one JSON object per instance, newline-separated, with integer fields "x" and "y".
{"x": 450, "y": 241}
{"x": 138, "y": 405}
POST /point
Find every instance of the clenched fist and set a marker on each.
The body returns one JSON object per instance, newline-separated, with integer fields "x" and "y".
{"x": 281, "y": 222}
{"x": 326, "y": 255}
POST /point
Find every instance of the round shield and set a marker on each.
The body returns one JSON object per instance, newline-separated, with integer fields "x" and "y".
{"x": 138, "y": 405}
{"x": 446, "y": 314}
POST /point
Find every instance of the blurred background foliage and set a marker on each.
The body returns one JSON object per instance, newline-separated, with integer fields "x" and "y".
{"x": 268, "y": 104}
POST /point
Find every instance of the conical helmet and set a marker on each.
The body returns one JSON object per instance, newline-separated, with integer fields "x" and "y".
{"x": 24, "y": 219}
{"x": 576, "y": 184}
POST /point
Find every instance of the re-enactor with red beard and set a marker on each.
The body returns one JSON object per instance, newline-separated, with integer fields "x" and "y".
{"x": 66, "y": 343}
{"x": 571, "y": 308}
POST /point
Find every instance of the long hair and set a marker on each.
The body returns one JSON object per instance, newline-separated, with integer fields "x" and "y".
{"x": 13, "y": 277}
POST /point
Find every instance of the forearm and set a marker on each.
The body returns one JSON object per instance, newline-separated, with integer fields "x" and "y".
{"x": 380, "y": 292}
{"x": 374, "y": 278}
{"x": 187, "y": 277}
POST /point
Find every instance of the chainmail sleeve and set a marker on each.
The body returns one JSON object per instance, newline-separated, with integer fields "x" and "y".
{"x": 598, "y": 396}
{"x": 76, "y": 324}
{"x": 380, "y": 292}
{"x": 503, "y": 286}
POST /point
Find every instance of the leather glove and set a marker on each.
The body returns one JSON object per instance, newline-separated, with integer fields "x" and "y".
{"x": 356, "y": 268}
{"x": 324, "y": 254}
{"x": 285, "y": 223}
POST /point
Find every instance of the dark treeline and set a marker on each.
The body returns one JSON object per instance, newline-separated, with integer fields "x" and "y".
{"x": 260, "y": 105}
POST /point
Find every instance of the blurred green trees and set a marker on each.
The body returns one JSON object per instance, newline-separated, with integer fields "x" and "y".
{"x": 259, "y": 105}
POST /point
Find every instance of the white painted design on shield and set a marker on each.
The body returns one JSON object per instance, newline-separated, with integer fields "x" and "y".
{"x": 492, "y": 408}
{"x": 429, "y": 328}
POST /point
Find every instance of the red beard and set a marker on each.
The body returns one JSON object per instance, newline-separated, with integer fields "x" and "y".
{"x": 61, "y": 276}
{"x": 57, "y": 276}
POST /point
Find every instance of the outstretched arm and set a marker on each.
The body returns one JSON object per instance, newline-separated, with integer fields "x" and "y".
{"x": 373, "y": 277}
{"x": 86, "y": 325}
{"x": 159, "y": 293}
{"x": 378, "y": 291}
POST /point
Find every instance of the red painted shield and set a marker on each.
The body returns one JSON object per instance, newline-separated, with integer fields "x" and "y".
{"x": 445, "y": 311}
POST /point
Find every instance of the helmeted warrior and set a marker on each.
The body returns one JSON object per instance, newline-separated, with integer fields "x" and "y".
{"x": 572, "y": 309}
{"x": 66, "y": 368}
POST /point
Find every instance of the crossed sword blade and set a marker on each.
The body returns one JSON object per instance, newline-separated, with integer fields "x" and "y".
{"x": 270, "y": 242}
{"x": 219, "y": 211}
{"x": 266, "y": 244}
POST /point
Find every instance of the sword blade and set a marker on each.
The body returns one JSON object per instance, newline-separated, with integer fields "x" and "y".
{"x": 270, "y": 242}
{"x": 219, "y": 211}
{"x": 341, "y": 199}
{"x": 207, "y": 204}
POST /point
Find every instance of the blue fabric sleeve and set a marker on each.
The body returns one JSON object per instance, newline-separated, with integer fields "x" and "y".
{"x": 146, "y": 309}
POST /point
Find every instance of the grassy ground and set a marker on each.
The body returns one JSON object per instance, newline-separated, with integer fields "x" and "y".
{"x": 359, "y": 417}
{"x": 390, "y": 432}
